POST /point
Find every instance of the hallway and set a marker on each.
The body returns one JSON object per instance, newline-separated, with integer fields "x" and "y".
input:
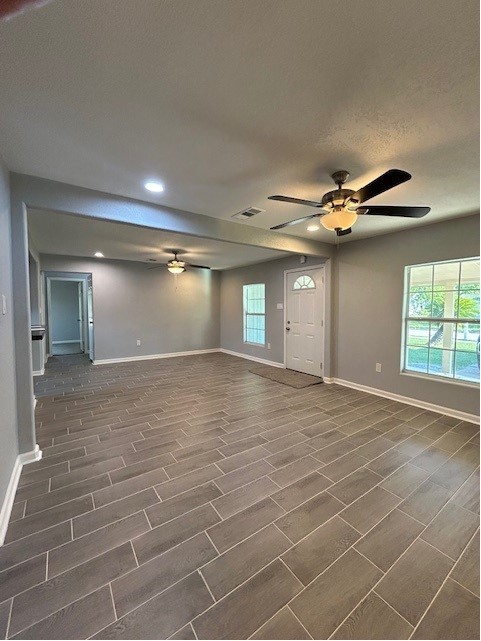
{"x": 188, "y": 494}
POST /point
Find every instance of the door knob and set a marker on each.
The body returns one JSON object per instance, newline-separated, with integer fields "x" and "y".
{"x": 288, "y": 329}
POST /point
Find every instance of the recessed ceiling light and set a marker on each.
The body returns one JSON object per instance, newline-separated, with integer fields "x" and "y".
{"x": 312, "y": 227}
{"x": 98, "y": 255}
{"x": 155, "y": 187}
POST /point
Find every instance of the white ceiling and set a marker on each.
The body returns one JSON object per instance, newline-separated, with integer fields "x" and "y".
{"x": 229, "y": 102}
{"x": 56, "y": 233}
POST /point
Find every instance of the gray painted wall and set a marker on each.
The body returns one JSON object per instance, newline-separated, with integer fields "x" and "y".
{"x": 8, "y": 415}
{"x": 272, "y": 274}
{"x": 131, "y": 302}
{"x": 369, "y": 297}
{"x": 64, "y": 310}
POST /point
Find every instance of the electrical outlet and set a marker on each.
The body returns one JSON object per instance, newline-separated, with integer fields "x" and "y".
{"x": 378, "y": 367}
{"x": 268, "y": 345}
{"x": 138, "y": 342}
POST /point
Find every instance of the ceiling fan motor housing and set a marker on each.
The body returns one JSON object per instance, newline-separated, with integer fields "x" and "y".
{"x": 336, "y": 197}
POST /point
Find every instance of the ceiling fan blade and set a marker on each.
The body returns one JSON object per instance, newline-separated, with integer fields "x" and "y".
{"x": 343, "y": 232}
{"x": 379, "y": 185}
{"x": 296, "y": 201}
{"x": 294, "y": 222}
{"x": 387, "y": 210}
{"x": 156, "y": 266}
{"x": 197, "y": 266}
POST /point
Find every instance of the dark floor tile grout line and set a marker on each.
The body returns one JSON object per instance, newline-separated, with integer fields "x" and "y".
{"x": 443, "y": 584}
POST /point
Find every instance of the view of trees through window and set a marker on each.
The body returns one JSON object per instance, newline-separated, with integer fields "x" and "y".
{"x": 442, "y": 319}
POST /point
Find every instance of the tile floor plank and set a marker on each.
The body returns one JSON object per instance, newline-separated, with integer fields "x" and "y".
{"x": 367, "y": 511}
{"x": 48, "y": 597}
{"x": 308, "y": 516}
{"x": 412, "y": 582}
{"x": 261, "y": 596}
{"x": 373, "y": 619}
{"x": 227, "y": 571}
{"x": 451, "y": 530}
{"x": 77, "y": 620}
{"x": 454, "y": 614}
{"x": 166, "y": 536}
{"x": 325, "y": 603}
{"x": 269, "y": 493}
{"x": 151, "y": 578}
{"x": 163, "y": 614}
{"x": 311, "y": 556}
{"x": 283, "y": 625}
{"x": 466, "y": 570}
{"x": 241, "y": 525}
{"x": 385, "y": 543}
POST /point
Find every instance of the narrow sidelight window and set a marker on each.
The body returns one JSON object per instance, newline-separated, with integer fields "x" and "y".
{"x": 254, "y": 297}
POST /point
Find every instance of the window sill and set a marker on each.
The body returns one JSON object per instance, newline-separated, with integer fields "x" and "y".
{"x": 254, "y": 344}
{"x": 440, "y": 379}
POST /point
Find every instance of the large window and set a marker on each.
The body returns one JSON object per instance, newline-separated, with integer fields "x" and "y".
{"x": 441, "y": 319}
{"x": 255, "y": 313}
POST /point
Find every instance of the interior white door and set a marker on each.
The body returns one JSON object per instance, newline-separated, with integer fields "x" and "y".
{"x": 90, "y": 317}
{"x": 304, "y": 321}
{"x": 80, "y": 316}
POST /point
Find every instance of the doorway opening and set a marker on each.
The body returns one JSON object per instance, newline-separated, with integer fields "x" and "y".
{"x": 69, "y": 314}
{"x": 304, "y": 320}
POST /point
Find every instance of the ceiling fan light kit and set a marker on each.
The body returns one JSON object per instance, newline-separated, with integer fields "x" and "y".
{"x": 176, "y": 266}
{"x": 340, "y": 207}
{"x": 338, "y": 218}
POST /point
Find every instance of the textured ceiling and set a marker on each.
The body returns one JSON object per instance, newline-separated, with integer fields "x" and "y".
{"x": 55, "y": 233}
{"x": 229, "y": 102}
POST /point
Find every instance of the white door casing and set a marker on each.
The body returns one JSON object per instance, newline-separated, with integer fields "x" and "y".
{"x": 80, "y": 315}
{"x": 304, "y": 320}
{"x": 90, "y": 318}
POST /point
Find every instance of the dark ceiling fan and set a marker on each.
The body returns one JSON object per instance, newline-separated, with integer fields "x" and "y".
{"x": 340, "y": 207}
{"x": 176, "y": 266}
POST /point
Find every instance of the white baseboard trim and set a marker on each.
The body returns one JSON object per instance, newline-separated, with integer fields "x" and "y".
{"x": 39, "y": 372}
{"x": 252, "y": 358}
{"x": 150, "y": 357}
{"x": 463, "y": 416}
{"x": 7, "y": 505}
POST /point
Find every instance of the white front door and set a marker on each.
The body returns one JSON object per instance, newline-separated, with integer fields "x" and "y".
{"x": 304, "y": 321}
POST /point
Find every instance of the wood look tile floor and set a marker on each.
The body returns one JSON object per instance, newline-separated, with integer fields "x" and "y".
{"x": 189, "y": 498}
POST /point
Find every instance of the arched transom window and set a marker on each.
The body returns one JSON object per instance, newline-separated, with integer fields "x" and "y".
{"x": 304, "y": 282}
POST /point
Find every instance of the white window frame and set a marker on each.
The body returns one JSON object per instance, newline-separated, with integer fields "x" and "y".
{"x": 406, "y": 318}
{"x": 246, "y": 314}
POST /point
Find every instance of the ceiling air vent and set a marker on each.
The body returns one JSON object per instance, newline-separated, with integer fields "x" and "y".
{"x": 245, "y": 214}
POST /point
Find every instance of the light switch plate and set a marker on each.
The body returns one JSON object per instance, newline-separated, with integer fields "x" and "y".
{"x": 280, "y": 305}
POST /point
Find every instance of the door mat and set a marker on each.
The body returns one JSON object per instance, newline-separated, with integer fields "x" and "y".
{"x": 286, "y": 376}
